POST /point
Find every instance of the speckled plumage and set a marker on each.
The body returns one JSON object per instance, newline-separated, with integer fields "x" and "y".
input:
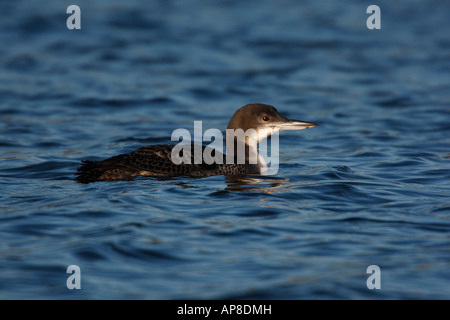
{"x": 155, "y": 160}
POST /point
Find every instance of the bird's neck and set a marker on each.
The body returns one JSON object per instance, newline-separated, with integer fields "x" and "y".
{"x": 243, "y": 149}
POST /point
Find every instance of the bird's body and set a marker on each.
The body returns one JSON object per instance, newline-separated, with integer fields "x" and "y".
{"x": 157, "y": 160}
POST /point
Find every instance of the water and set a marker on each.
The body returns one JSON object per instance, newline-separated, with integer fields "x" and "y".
{"x": 369, "y": 186}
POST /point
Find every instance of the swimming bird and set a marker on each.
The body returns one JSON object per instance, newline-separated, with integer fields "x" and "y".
{"x": 257, "y": 120}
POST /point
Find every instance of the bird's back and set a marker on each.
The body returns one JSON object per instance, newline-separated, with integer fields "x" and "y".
{"x": 155, "y": 160}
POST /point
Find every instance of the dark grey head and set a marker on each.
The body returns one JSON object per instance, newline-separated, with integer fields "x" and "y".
{"x": 265, "y": 119}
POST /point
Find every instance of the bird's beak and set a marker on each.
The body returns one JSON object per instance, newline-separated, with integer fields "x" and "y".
{"x": 288, "y": 124}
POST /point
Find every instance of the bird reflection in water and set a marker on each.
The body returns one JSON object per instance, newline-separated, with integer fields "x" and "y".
{"x": 254, "y": 183}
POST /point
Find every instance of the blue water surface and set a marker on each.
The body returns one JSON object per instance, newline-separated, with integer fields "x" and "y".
{"x": 369, "y": 186}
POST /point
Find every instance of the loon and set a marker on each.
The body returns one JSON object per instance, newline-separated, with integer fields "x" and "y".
{"x": 156, "y": 160}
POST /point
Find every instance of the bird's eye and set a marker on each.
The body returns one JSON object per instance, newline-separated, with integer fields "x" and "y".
{"x": 266, "y": 118}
